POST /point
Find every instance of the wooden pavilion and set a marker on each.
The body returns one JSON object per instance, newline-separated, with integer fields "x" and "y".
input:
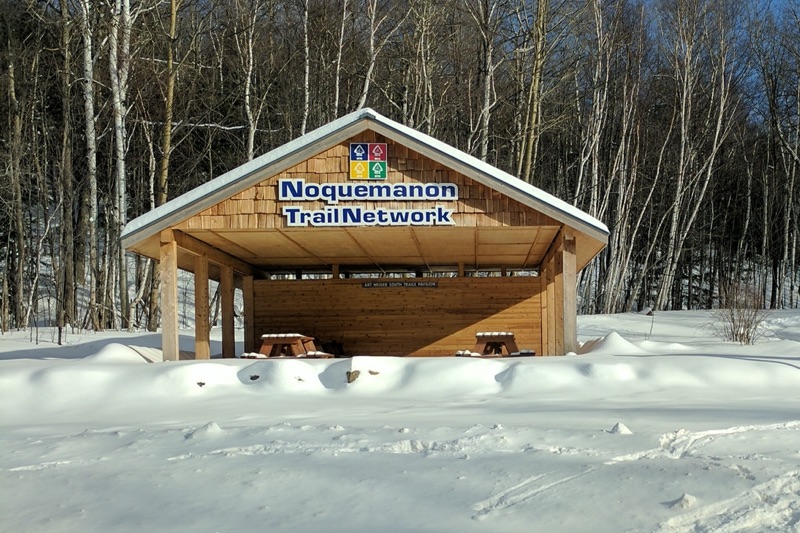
{"x": 377, "y": 238}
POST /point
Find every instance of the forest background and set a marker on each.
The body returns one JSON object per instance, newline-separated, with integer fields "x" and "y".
{"x": 675, "y": 122}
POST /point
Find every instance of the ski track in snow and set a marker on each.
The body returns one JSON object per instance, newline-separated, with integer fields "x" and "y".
{"x": 770, "y": 506}
{"x": 773, "y": 505}
{"x": 41, "y": 466}
{"x": 683, "y": 443}
{"x": 516, "y": 495}
{"x": 490, "y": 442}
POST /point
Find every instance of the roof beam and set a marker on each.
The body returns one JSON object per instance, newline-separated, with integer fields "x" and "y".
{"x": 419, "y": 248}
{"x": 229, "y": 244}
{"x": 528, "y": 258}
{"x": 364, "y": 250}
{"x": 306, "y": 250}
{"x": 198, "y": 247}
{"x": 564, "y": 234}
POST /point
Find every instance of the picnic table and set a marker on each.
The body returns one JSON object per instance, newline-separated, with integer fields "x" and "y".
{"x": 495, "y": 343}
{"x": 289, "y": 345}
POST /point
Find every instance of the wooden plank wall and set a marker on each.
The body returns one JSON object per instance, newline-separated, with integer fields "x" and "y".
{"x": 401, "y": 321}
{"x": 258, "y": 208}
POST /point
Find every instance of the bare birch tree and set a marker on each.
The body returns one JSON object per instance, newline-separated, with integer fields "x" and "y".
{"x": 88, "y": 87}
{"x": 337, "y": 81}
{"x": 383, "y": 22}
{"x": 169, "y": 103}
{"x": 595, "y": 121}
{"x": 119, "y": 69}
{"x": 700, "y": 34}
{"x": 532, "y": 126}
{"x": 67, "y": 310}
{"x": 778, "y": 57}
{"x": 306, "y": 69}
{"x": 245, "y": 38}
{"x": 17, "y": 269}
{"x": 488, "y": 17}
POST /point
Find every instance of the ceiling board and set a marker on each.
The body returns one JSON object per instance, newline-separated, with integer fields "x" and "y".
{"x": 503, "y": 249}
{"x": 446, "y": 236}
{"x": 226, "y": 241}
{"x": 265, "y": 244}
{"x": 325, "y": 244}
{"x": 546, "y": 235}
{"x": 388, "y": 242}
{"x": 513, "y": 261}
{"x": 506, "y": 235}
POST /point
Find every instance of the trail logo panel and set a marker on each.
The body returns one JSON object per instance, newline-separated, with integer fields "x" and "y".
{"x": 368, "y": 161}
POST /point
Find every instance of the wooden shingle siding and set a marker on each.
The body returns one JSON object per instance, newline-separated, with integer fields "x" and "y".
{"x": 402, "y": 321}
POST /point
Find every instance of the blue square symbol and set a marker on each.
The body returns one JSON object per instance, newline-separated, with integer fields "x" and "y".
{"x": 359, "y": 151}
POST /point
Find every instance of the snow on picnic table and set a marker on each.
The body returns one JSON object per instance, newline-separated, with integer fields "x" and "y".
{"x": 654, "y": 426}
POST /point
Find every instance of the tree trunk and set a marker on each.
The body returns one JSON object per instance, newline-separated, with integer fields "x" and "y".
{"x": 66, "y": 308}
{"x": 161, "y": 189}
{"x": 306, "y": 70}
{"x": 339, "y": 53}
{"x": 534, "y": 116}
{"x": 595, "y": 123}
{"x": 169, "y": 100}
{"x": 91, "y": 156}
{"x": 152, "y": 276}
{"x": 17, "y": 294}
{"x": 375, "y": 47}
{"x": 372, "y": 13}
{"x": 119, "y": 65}
{"x": 247, "y": 58}
{"x": 4, "y": 322}
{"x": 487, "y": 25}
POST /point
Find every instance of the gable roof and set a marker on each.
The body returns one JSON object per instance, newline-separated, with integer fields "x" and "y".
{"x": 300, "y": 149}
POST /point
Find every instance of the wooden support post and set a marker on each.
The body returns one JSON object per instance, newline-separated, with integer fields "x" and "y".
{"x": 168, "y": 263}
{"x": 202, "y": 345}
{"x": 249, "y": 315}
{"x": 335, "y": 271}
{"x": 226, "y": 294}
{"x": 215, "y": 255}
{"x": 551, "y": 310}
{"x": 545, "y": 310}
{"x": 559, "y": 296}
{"x": 570, "y": 293}
{"x": 461, "y": 271}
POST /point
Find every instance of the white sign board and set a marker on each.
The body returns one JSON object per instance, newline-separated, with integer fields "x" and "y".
{"x": 336, "y": 215}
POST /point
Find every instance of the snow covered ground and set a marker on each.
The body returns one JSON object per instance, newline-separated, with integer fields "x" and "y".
{"x": 664, "y": 430}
